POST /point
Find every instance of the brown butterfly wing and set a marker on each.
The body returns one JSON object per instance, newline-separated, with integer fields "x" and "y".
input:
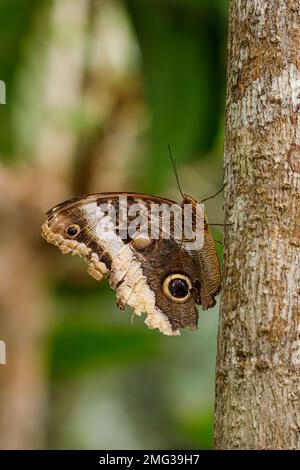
{"x": 137, "y": 271}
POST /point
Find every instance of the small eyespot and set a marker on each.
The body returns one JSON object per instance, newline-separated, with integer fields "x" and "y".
{"x": 73, "y": 230}
{"x": 177, "y": 287}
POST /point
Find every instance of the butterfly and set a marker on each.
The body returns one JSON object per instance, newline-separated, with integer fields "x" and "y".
{"x": 160, "y": 274}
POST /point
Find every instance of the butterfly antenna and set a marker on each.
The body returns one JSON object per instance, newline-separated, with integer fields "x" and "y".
{"x": 173, "y": 161}
{"x": 214, "y": 195}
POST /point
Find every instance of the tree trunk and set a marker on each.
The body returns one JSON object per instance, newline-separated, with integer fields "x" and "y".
{"x": 257, "y": 381}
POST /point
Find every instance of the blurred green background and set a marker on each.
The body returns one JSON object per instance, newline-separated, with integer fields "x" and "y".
{"x": 96, "y": 90}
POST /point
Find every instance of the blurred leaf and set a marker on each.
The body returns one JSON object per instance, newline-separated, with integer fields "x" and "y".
{"x": 218, "y": 235}
{"x": 76, "y": 349}
{"x": 15, "y": 28}
{"x": 83, "y": 340}
{"x": 183, "y": 80}
{"x": 198, "y": 430}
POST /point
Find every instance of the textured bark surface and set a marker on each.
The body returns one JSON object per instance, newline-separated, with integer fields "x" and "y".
{"x": 258, "y": 374}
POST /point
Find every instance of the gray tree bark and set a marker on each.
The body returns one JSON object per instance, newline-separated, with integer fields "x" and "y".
{"x": 258, "y": 374}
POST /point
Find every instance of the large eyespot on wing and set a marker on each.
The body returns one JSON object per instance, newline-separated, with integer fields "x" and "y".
{"x": 177, "y": 287}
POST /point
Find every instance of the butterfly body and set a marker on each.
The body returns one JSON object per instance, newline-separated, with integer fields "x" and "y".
{"x": 155, "y": 272}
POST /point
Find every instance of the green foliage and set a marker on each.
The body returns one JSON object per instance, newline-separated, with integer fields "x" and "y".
{"x": 83, "y": 340}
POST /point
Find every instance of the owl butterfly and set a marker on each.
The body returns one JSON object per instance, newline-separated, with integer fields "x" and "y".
{"x": 150, "y": 266}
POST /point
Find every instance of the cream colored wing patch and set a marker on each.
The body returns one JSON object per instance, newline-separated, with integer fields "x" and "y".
{"x": 126, "y": 275}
